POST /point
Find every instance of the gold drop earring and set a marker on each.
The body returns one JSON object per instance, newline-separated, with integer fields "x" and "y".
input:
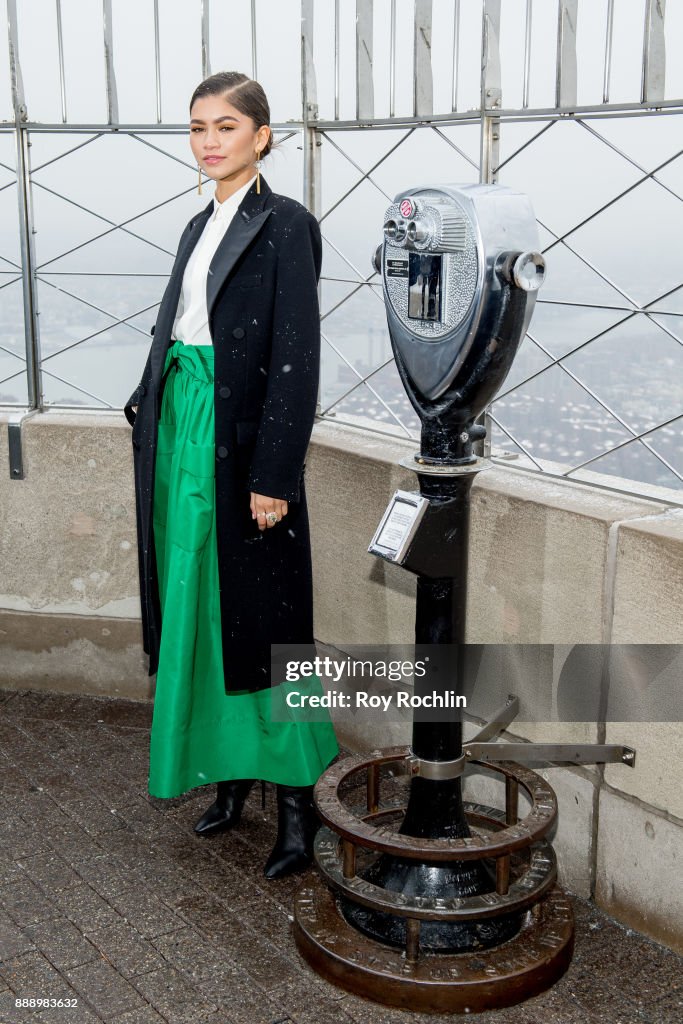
{"x": 258, "y": 173}
{"x": 199, "y": 187}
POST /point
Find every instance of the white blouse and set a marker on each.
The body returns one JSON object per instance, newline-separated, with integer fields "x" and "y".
{"x": 191, "y": 324}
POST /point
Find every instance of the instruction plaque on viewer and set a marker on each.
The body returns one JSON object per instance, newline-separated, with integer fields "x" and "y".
{"x": 398, "y": 526}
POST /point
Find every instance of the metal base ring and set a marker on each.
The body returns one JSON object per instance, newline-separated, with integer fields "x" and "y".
{"x": 489, "y": 979}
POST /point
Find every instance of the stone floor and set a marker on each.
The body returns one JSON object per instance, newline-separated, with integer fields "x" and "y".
{"x": 107, "y": 897}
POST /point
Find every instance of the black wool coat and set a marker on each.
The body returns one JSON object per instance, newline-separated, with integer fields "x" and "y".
{"x": 264, "y": 323}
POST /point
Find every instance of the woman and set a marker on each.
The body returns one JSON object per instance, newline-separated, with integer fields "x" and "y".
{"x": 221, "y": 420}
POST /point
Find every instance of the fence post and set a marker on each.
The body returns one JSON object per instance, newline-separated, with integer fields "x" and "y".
{"x": 311, "y": 136}
{"x": 26, "y": 231}
{"x": 654, "y": 52}
{"x": 490, "y": 102}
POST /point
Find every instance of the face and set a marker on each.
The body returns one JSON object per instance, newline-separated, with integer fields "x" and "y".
{"x": 224, "y": 141}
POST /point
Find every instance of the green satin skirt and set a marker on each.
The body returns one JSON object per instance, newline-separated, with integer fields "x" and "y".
{"x": 199, "y": 733}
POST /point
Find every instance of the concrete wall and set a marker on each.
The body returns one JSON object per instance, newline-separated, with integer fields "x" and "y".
{"x": 550, "y": 563}
{"x": 69, "y": 602}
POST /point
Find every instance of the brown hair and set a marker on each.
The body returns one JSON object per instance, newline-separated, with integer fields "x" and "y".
{"x": 244, "y": 93}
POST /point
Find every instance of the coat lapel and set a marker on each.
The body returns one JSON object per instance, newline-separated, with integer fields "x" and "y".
{"x": 245, "y": 225}
{"x": 249, "y": 218}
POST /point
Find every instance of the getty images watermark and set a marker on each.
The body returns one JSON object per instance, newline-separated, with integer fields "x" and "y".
{"x": 392, "y": 671}
{"x": 447, "y": 682}
{"x": 386, "y": 683}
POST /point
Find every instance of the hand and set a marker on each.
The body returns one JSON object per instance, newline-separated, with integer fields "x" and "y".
{"x": 261, "y": 504}
{"x": 134, "y": 408}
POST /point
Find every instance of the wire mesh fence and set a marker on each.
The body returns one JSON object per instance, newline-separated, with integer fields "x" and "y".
{"x": 570, "y": 101}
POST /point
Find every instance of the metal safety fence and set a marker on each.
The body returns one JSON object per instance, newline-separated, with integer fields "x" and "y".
{"x": 569, "y": 100}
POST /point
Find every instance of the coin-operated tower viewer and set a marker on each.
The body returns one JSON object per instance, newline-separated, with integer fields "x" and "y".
{"x": 441, "y": 906}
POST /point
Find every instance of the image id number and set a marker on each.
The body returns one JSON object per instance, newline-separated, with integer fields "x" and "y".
{"x": 36, "y": 1003}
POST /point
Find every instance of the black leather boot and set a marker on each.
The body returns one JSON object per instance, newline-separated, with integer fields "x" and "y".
{"x": 297, "y": 824}
{"x": 226, "y": 810}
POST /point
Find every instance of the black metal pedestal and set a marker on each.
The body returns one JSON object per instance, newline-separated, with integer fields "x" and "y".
{"x": 435, "y": 808}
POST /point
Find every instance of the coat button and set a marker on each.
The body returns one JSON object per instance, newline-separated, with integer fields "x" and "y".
{"x": 222, "y": 452}
{"x": 238, "y": 332}
{"x": 225, "y": 392}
